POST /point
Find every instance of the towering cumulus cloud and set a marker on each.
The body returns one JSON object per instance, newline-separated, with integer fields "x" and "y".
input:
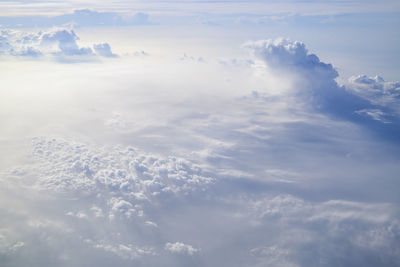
{"x": 321, "y": 91}
{"x": 65, "y": 42}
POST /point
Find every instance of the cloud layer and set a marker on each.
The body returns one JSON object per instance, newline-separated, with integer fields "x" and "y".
{"x": 79, "y": 18}
{"x": 264, "y": 161}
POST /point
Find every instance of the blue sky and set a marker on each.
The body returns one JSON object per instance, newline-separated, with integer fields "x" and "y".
{"x": 199, "y": 133}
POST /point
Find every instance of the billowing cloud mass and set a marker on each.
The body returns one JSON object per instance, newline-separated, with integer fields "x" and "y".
{"x": 65, "y": 41}
{"x": 320, "y": 89}
{"x": 200, "y": 160}
{"x": 57, "y": 43}
{"x": 125, "y": 170}
{"x": 377, "y": 91}
{"x": 365, "y": 101}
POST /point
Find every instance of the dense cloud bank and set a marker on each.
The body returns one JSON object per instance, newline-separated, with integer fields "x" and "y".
{"x": 285, "y": 172}
{"x": 83, "y": 204}
{"x": 57, "y": 43}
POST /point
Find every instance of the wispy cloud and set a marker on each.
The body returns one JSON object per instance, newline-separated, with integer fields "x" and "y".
{"x": 79, "y": 18}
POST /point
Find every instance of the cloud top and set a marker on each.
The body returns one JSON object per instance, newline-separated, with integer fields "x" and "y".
{"x": 284, "y": 53}
{"x": 376, "y": 90}
{"x": 104, "y": 50}
{"x": 369, "y": 101}
{"x": 57, "y": 43}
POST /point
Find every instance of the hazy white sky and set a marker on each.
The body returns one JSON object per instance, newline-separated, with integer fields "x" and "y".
{"x": 187, "y": 7}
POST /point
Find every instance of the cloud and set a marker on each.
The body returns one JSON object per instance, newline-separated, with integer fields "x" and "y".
{"x": 87, "y": 18}
{"x": 285, "y": 53}
{"x": 116, "y": 189}
{"x": 65, "y": 41}
{"x": 56, "y": 43}
{"x": 377, "y": 91}
{"x": 8, "y": 247}
{"x": 318, "y": 88}
{"x": 375, "y": 114}
{"x": 140, "y": 54}
{"x": 103, "y": 50}
{"x": 127, "y": 171}
{"x": 181, "y": 248}
{"x": 317, "y": 79}
{"x": 383, "y": 96}
{"x": 191, "y": 58}
{"x": 124, "y": 251}
{"x": 170, "y": 165}
{"x": 79, "y": 18}
{"x": 333, "y": 226}
{"x": 120, "y": 208}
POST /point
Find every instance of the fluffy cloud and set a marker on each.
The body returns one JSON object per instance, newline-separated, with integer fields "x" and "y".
{"x": 124, "y": 197}
{"x": 127, "y": 171}
{"x": 65, "y": 42}
{"x": 181, "y": 248}
{"x": 117, "y": 188}
{"x": 103, "y": 50}
{"x": 285, "y": 53}
{"x": 377, "y": 91}
{"x": 317, "y": 86}
{"x": 58, "y": 43}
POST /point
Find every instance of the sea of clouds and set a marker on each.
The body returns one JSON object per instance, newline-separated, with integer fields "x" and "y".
{"x": 258, "y": 161}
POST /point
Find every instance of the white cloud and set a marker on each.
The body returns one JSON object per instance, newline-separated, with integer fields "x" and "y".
{"x": 272, "y": 256}
{"x": 285, "y": 53}
{"x": 245, "y": 172}
{"x": 181, "y": 248}
{"x": 331, "y": 226}
{"x": 103, "y": 50}
{"x": 8, "y": 247}
{"x": 318, "y": 88}
{"x": 65, "y": 42}
{"x": 58, "y": 43}
{"x": 377, "y": 91}
{"x": 125, "y": 251}
{"x": 124, "y": 170}
{"x": 375, "y": 114}
{"x": 97, "y": 211}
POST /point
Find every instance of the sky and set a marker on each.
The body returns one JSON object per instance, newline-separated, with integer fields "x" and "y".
{"x": 199, "y": 133}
